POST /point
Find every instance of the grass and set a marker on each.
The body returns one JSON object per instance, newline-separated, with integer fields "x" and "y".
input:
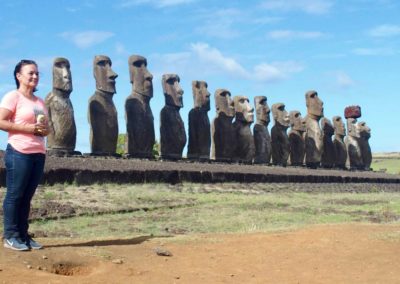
{"x": 159, "y": 209}
{"x": 392, "y": 165}
{"x": 389, "y": 161}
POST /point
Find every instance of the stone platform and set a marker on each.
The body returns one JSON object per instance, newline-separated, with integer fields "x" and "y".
{"x": 90, "y": 170}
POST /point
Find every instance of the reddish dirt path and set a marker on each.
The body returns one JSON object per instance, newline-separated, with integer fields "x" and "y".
{"x": 350, "y": 253}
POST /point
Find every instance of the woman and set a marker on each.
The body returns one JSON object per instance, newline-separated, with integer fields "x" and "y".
{"x": 23, "y": 116}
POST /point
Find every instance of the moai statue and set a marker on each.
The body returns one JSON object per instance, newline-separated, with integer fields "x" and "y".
{"x": 199, "y": 123}
{"x": 222, "y": 132}
{"x": 338, "y": 143}
{"x": 296, "y": 138}
{"x": 172, "y": 129}
{"x": 62, "y": 136}
{"x": 279, "y": 137}
{"x": 354, "y": 160}
{"x": 313, "y": 136}
{"x": 328, "y": 154}
{"x": 102, "y": 112}
{"x": 262, "y": 139}
{"x": 365, "y": 134}
{"x": 139, "y": 117}
{"x": 244, "y": 117}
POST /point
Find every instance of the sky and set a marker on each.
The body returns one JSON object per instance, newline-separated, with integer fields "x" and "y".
{"x": 348, "y": 51}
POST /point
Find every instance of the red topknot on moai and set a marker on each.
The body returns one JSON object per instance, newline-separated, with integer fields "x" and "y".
{"x": 352, "y": 112}
{"x": 355, "y": 159}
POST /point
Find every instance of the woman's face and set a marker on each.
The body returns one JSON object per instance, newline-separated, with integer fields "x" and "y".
{"x": 28, "y": 76}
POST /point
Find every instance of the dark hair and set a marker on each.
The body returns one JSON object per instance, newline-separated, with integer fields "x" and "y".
{"x": 18, "y": 67}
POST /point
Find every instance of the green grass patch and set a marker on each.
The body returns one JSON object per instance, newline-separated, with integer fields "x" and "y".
{"x": 160, "y": 209}
{"x": 392, "y": 165}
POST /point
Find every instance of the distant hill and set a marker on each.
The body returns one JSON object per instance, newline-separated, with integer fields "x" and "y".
{"x": 386, "y": 155}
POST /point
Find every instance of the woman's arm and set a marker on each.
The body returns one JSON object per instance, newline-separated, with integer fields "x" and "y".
{"x": 7, "y": 125}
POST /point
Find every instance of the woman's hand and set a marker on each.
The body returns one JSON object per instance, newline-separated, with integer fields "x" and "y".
{"x": 41, "y": 129}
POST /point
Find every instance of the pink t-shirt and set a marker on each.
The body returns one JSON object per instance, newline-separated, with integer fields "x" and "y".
{"x": 24, "y": 111}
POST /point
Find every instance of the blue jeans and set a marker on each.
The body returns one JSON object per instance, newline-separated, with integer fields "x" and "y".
{"x": 24, "y": 172}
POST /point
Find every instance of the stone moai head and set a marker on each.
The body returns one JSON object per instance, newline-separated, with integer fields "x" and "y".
{"x": 327, "y": 127}
{"x": 296, "y": 121}
{"x": 62, "y": 79}
{"x": 243, "y": 110}
{"x": 172, "y": 90}
{"x": 141, "y": 78}
{"x": 280, "y": 115}
{"x": 262, "y": 110}
{"x": 201, "y": 95}
{"x": 338, "y": 126}
{"x": 224, "y": 103}
{"x": 104, "y": 75}
{"x": 352, "y": 128}
{"x": 364, "y": 130}
{"x": 314, "y": 104}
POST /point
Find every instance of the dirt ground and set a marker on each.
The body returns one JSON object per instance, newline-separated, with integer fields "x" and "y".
{"x": 346, "y": 253}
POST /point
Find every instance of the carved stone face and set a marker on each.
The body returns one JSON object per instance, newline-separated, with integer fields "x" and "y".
{"x": 141, "y": 78}
{"x": 201, "y": 95}
{"x": 224, "y": 103}
{"x": 104, "y": 75}
{"x": 338, "y": 126}
{"x": 364, "y": 130}
{"x": 352, "y": 128}
{"x": 243, "y": 110}
{"x": 172, "y": 90}
{"x": 262, "y": 110}
{"x": 296, "y": 121}
{"x": 281, "y": 116}
{"x": 62, "y": 75}
{"x": 314, "y": 104}
{"x": 327, "y": 126}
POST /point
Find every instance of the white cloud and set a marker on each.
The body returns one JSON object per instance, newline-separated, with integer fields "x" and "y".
{"x": 373, "y": 51}
{"x": 45, "y": 62}
{"x": 385, "y": 31}
{"x": 120, "y": 49}
{"x": 223, "y": 27}
{"x": 343, "y": 80}
{"x": 71, "y": 9}
{"x": 213, "y": 56}
{"x": 204, "y": 59}
{"x": 156, "y": 3}
{"x": 266, "y": 20}
{"x": 307, "y": 6}
{"x": 289, "y": 34}
{"x": 275, "y": 71}
{"x": 86, "y": 39}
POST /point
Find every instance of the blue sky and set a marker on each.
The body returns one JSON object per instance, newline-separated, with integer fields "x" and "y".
{"x": 349, "y": 51}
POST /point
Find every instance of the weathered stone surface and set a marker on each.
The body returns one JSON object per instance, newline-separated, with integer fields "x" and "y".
{"x": 222, "y": 131}
{"x": 296, "y": 138}
{"x": 262, "y": 138}
{"x": 328, "y": 154}
{"x": 139, "y": 117}
{"x": 313, "y": 135}
{"x": 279, "y": 137}
{"x": 199, "y": 123}
{"x": 352, "y": 112}
{"x": 365, "y": 134}
{"x": 172, "y": 129}
{"x": 338, "y": 143}
{"x": 62, "y": 136}
{"x": 244, "y": 117}
{"x": 354, "y": 160}
{"x": 102, "y": 114}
